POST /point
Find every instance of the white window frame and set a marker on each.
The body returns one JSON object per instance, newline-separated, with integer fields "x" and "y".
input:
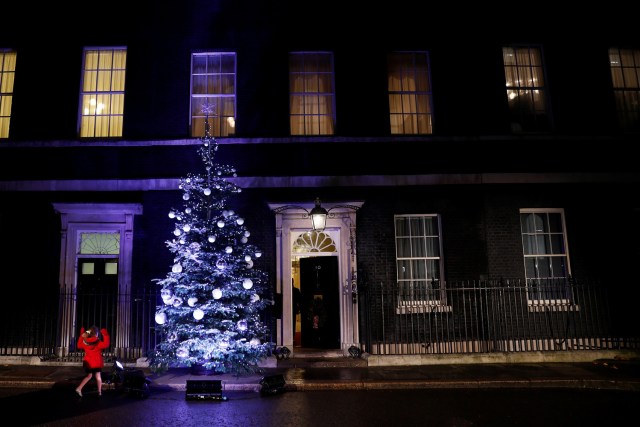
{"x": 542, "y": 244}
{"x": 213, "y": 83}
{"x": 412, "y": 266}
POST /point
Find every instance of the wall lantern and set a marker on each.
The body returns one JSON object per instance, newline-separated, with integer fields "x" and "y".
{"x": 318, "y": 214}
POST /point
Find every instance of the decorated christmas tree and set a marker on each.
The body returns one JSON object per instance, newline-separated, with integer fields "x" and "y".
{"x": 210, "y": 318}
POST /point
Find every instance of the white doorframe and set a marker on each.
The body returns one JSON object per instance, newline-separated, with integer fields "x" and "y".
{"x": 341, "y": 226}
{"x": 76, "y": 218}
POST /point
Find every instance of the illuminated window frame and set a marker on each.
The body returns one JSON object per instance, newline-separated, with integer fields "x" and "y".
{"x": 311, "y": 93}
{"x": 7, "y": 77}
{"x": 102, "y": 92}
{"x": 213, "y": 82}
{"x": 410, "y": 93}
{"x": 526, "y": 89}
{"x": 625, "y": 76}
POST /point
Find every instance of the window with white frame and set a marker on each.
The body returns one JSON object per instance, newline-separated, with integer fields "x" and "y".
{"x": 625, "y": 74}
{"x": 213, "y": 83}
{"x": 102, "y": 92}
{"x": 7, "y": 76}
{"x": 546, "y": 255}
{"x": 410, "y": 106}
{"x": 311, "y": 93}
{"x": 418, "y": 259}
{"x": 526, "y": 89}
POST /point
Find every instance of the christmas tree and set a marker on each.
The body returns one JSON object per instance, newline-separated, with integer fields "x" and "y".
{"x": 210, "y": 318}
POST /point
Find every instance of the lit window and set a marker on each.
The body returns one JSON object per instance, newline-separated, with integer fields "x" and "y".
{"x": 546, "y": 256}
{"x": 213, "y": 83}
{"x": 418, "y": 259}
{"x": 625, "y": 70}
{"x": 7, "y": 76}
{"x": 410, "y": 108}
{"x": 102, "y": 94}
{"x": 526, "y": 89}
{"x": 311, "y": 92}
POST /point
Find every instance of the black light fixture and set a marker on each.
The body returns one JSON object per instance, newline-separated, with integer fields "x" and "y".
{"x": 318, "y": 214}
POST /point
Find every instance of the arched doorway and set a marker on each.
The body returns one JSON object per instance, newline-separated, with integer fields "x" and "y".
{"x": 296, "y": 249}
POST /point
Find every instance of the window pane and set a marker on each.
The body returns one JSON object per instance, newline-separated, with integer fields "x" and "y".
{"x": 543, "y": 234}
{"x": 311, "y": 93}
{"x": 418, "y": 256}
{"x": 103, "y": 83}
{"x": 410, "y": 105}
{"x": 625, "y": 78}
{"x": 525, "y": 89}
{"x": 7, "y": 77}
{"x": 213, "y": 87}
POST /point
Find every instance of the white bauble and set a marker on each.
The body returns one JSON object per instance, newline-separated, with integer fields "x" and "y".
{"x": 249, "y": 264}
{"x": 211, "y": 238}
{"x": 254, "y": 342}
{"x": 220, "y": 224}
{"x": 185, "y": 196}
{"x": 244, "y": 240}
{"x": 172, "y": 214}
{"x": 186, "y": 228}
{"x": 207, "y": 191}
{"x": 188, "y": 210}
{"x": 242, "y": 325}
{"x": 247, "y": 258}
{"x": 247, "y": 233}
{"x": 255, "y": 298}
{"x": 216, "y": 293}
{"x": 258, "y": 254}
{"x": 161, "y": 318}
{"x": 240, "y": 221}
{"x": 177, "y": 232}
{"x": 198, "y": 314}
{"x": 247, "y": 283}
{"x": 228, "y": 249}
{"x": 177, "y": 268}
{"x": 192, "y": 301}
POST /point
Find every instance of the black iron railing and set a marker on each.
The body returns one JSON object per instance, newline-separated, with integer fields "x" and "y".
{"x": 494, "y": 316}
{"x": 437, "y": 318}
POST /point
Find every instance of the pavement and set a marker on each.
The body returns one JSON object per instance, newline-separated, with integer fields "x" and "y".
{"x": 610, "y": 374}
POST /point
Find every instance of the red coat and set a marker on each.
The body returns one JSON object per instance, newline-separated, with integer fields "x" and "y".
{"x": 93, "y": 350}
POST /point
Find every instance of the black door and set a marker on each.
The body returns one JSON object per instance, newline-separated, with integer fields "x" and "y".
{"x": 320, "y": 309}
{"x": 97, "y": 293}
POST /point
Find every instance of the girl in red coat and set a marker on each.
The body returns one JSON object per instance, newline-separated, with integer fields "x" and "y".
{"x": 92, "y": 344}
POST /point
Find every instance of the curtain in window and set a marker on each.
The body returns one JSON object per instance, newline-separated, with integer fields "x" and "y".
{"x": 213, "y": 83}
{"x": 102, "y": 97}
{"x": 311, "y": 93}
{"x": 409, "y": 93}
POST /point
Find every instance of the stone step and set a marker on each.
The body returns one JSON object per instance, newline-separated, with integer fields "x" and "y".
{"x": 322, "y": 362}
